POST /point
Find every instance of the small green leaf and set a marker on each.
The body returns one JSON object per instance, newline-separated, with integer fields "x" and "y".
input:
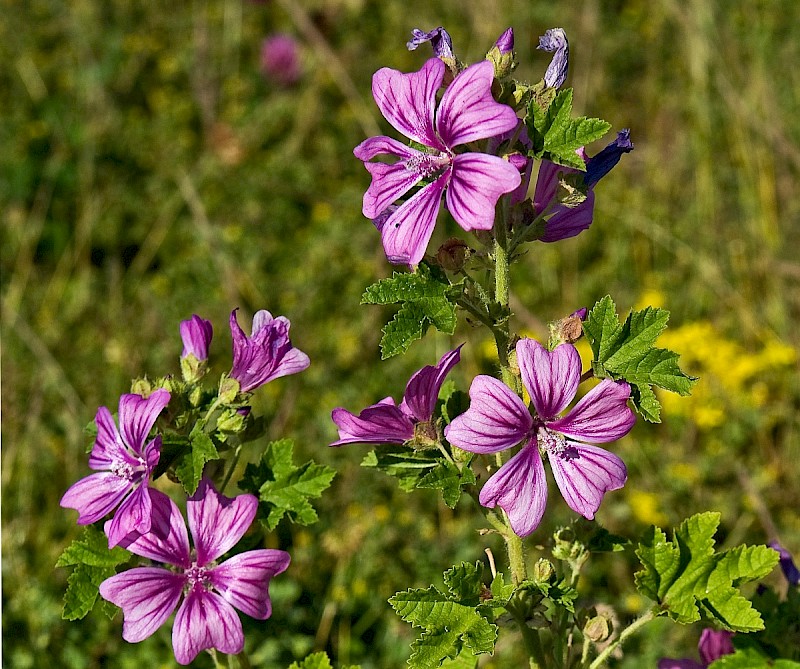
{"x": 190, "y": 468}
{"x": 318, "y": 661}
{"x": 447, "y": 477}
{"x": 602, "y": 541}
{"x": 82, "y": 590}
{"x": 465, "y": 582}
{"x": 750, "y": 658}
{"x": 92, "y": 550}
{"x": 563, "y": 140}
{"x": 686, "y": 575}
{"x": 283, "y": 488}
{"x": 408, "y": 325}
{"x": 407, "y": 465}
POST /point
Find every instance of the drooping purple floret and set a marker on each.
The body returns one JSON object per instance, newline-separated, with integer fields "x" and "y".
{"x": 124, "y": 463}
{"x": 266, "y": 354}
{"x": 601, "y": 164}
{"x": 388, "y": 423}
{"x": 439, "y": 38}
{"x": 498, "y": 420}
{"x": 211, "y": 592}
{"x": 473, "y": 181}
{"x": 555, "y": 40}
{"x": 713, "y": 645}
{"x": 788, "y": 567}
{"x": 196, "y": 335}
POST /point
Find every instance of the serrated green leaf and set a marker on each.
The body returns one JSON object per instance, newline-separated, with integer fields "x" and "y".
{"x": 645, "y": 402}
{"x": 558, "y": 114}
{"x": 82, "y": 590}
{"x": 190, "y": 469}
{"x": 564, "y": 139}
{"x": 404, "y": 287}
{"x": 408, "y": 325}
{"x": 602, "y": 328}
{"x": 447, "y": 477}
{"x": 318, "y": 661}
{"x": 639, "y": 333}
{"x": 750, "y": 658}
{"x": 464, "y": 582}
{"x": 561, "y": 593}
{"x": 407, "y": 465}
{"x": 283, "y": 488}
{"x": 440, "y": 312}
{"x": 686, "y": 575}
{"x": 603, "y": 541}
{"x": 91, "y": 549}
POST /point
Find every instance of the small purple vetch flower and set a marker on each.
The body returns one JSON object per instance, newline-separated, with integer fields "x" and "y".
{"x": 713, "y": 645}
{"x": 788, "y": 567}
{"x": 567, "y": 221}
{"x": 266, "y": 354}
{"x": 473, "y": 181}
{"x": 387, "y": 423}
{"x": 123, "y": 462}
{"x": 497, "y": 420}
{"x": 211, "y": 592}
{"x": 196, "y": 335}
{"x": 280, "y": 60}
{"x": 555, "y": 40}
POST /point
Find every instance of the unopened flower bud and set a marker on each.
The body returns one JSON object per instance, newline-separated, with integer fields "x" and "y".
{"x": 598, "y": 629}
{"x": 231, "y": 421}
{"x": 502, "y": 55}
{"x": 453, "y": 254}
{"x": 543, "y": 571}
{"x": 142, "y": 387}
{"x": 425, "y": 436}
{"x": 196, "y": 334}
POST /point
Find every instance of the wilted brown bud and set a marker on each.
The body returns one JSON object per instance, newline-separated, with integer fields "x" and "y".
{"x": 453, "y": 254}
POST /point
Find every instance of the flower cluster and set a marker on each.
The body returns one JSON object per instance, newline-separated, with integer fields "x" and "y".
{"x": 147, "y": 522}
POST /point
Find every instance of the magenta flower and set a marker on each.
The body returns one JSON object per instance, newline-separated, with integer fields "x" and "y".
{"x": 266, "y": 354}
{"x": 555, "y": 41}
{"x": 196, "y": 335}
{"x": 566, "y": 221}
{"x": 497, "y": 420}
{"x": 713, "y": 645}
{"x": 123, "y": 462}
{"x": 473, "y": 181}
{"x": 280, "y": 60}
{"x": 387, "y": 423}
{"x": 211, "y": 592}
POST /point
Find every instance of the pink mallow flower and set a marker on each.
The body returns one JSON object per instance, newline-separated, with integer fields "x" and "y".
{"x": 280, "y": 60}
{"x": 266, "y": 354}
{"x": 123, "y": 462}
{"x": 713, "y": 645}
{"x": 387, "y": 423}
{"x": 473, "y": 181}
{"x": 210, "y": 591}
{"x": 196, "y": 336}
{"x": 498, "y": 419}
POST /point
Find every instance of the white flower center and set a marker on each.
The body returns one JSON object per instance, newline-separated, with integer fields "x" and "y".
{"x": 425, "y": 165}
{"x": 553, "y": 443}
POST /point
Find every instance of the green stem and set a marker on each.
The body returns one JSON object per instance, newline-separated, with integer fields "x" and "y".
{"x": 533, "y": 643}
{"x": 628, "y": 631}
{"x": 244, "y": 661}
{"x": 234, "y": 462}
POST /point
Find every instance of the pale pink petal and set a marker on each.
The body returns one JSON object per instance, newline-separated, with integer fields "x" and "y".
{"x": 567, "y": 222}
{"x": 243, "y": 581}
{"x": 408, "y": 101}
{"x": 95, "y": 495}
{"x": 108, "y": 447}
{"x": 169, "y": 541}
{"x": 138, "y": 415}
{"x": 408, "y": 230}
{"x": 468, "y": 111}
{"x": 217, "y": 522}
{"x": 293, "y": 361}
{"x": 551, "y": 377}
{"x": 584, "y": 474}
{"x": 423, "y": 388}
{"x": 600, "y": 416}
{"x": 147, "y": 597}
{"x": 519, "y": 487}
{"x": 382, "y": 423}
{"x": 382, "y": 145}
{"x": 496, "y": 419}
{"x": 477, "y": 183}
{"x": 205, "y": 620}
{"x": 389, "y": 182}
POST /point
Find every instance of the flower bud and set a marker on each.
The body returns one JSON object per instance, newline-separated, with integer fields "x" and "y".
{"x": 568, "y": 329}
{"x": 453, "y": 254}
{"x": 543, "y": 571}
{"x": 196, "y": 334}
{"x": 598, "y": 629}
{"x": 502, "y": 55}
{"x": 228, "y": 389}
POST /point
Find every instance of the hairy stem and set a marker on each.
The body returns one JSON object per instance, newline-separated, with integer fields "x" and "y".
{"x": 628, "y": 631}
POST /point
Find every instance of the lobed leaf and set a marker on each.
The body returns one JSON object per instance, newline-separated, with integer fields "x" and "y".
{"x": 190, "y": 468}
{"x": 447, "y": 477}
{"x": 408, "y": 466}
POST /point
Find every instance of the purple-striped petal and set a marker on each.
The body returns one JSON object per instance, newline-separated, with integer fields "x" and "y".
{"x": 714, "y": 644}
{"x": 134, "y": 516}
{"x": 602, "y": 415}
{"x": 108, "y": 448}
{"x": 551, "y": 377}
{"x": 519, "y": 487}
{"x": 406, "y": 233}
{"x": 568, "y": 222}
{"x": 477, "y": 182}
{"x": 137, "y": 416}
{"x": 389, "y": 182}
{"x": 408, "y": 101}
{"x": 584, "y": 474}
{"x": 423, "y": 388}
{"x": 382, "y": 423}
{"x": 205, "y": 620}
{"x": 95, "y": 495}
{"x": 196, "y": 334}
{"x": 243, "y": 581}
{"x": 168, "y": 541}
{"x": 382, "y": 145}
{"x": 217, "y": 522}
{"x": 547, "y": 184}
{"x": 496, "y": 419}
{"x": 147, "y": 597}
{"x": 468, "y": 111}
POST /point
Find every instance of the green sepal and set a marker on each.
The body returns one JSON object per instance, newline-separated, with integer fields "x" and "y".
{"x": 92, "y": 562}
{"x": 283, "y": 488}
{"x": 686, "y": 577}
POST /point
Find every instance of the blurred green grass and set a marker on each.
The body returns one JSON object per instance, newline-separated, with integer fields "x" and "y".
{"x": 149, "y": 172}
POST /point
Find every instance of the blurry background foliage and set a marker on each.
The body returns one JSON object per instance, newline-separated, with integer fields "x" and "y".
{"x": 149, "y": 171}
